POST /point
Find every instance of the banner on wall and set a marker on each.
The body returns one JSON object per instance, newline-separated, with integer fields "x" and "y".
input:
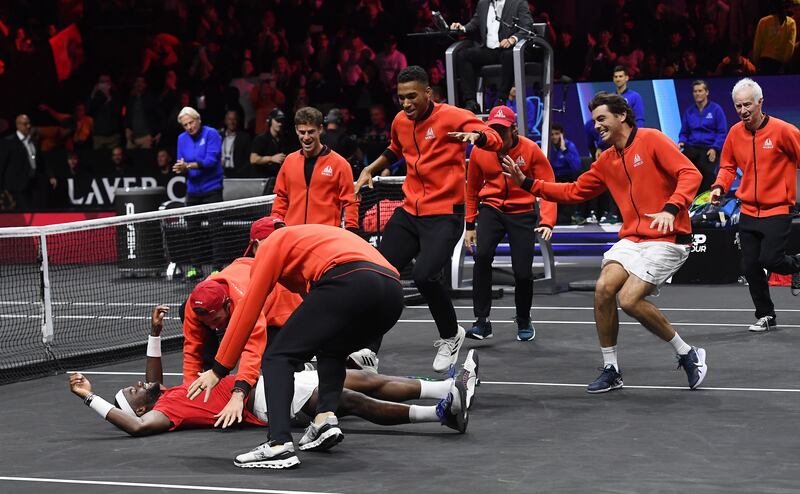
{"x": 101, "y": 191}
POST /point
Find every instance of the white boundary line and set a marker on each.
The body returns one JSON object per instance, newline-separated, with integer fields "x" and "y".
{"x": 513, "y": 383}
{"x": 676, "y": 309}
{"x": 156, "y": 486}
{"x": 683, "y": 388}
{"x": 622, "y": 323}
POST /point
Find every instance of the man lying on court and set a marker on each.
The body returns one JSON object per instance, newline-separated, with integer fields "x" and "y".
{"x": 151, "y": 408}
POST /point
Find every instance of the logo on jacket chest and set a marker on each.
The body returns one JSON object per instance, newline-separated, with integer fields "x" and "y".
{"x": 520, "y": 161}
{"x": 429, "y": 135}
{"x": 709, "y": 116}
{"x": 637, "y": 160}
{"x": 327, "y": 171}
{"x": 768, "y": 143}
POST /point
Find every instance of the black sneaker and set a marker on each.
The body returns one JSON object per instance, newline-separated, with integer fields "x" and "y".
{"x": 269, "y": 455}
{"x": 452, "y": 410}
{"x": 609, "y": 379}
{"x": 763, "y": 324}
{"x": 694, "y": 363}
{"x": 795, "y": 284}
{"x": 480, "y": 330}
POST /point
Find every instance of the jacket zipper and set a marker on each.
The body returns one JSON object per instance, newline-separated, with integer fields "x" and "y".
{"x": 308, "y": 190}
{"x": 630, "y": 191}
{"x": 416, "y": 169}
{"x": 755, "y": 176}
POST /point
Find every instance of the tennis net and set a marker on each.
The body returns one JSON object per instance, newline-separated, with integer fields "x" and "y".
{"x": 80, "y": 294}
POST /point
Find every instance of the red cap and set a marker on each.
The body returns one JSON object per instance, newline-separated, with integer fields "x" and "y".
{"x": 261, "y": 229}
{"x": 502, "y": 115}
{"x": 209, "y": 295}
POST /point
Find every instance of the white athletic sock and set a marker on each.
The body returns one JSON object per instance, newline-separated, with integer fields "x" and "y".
{"x": 610, "y": 356}
{"x": 417, "y": 413}
{"x": 680, "y": 346}
{"x": 434, "y": 389}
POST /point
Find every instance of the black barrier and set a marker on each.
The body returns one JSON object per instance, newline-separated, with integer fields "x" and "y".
{"x": 715, "y": 258}
{"x": 140, "y": 250}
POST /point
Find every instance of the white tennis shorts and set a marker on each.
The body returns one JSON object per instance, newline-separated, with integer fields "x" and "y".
{"x": 653, "y": 262}
{"x": 305, "y": 383}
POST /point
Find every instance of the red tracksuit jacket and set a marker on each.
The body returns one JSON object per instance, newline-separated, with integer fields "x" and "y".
{"x": 769, "y": 158}
{"x": 648, "y": 176}
{"x": 486, "y": 183}
{"x": 435, "y": 164}
{"x": 322, "y": 200}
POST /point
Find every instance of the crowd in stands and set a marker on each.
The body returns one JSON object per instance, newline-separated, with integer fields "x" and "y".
{"x": 136, "y": 63}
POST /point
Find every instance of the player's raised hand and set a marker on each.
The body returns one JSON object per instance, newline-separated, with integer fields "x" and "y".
{"x": 470, "y": 137}
{"x": 79, "y": 385}
{"x": 716, "y": 193}
{"x": 157, "y": 319}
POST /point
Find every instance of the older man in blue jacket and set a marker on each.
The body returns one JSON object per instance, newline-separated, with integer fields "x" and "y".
{"x": 199, "y": 150}
{"x": 703, "y": 131}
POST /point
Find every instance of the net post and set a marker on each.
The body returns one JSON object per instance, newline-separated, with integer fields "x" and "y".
{"x": 47, "y": 321}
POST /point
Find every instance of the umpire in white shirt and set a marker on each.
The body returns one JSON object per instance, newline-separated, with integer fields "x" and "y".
{"x": 496, "y": 42}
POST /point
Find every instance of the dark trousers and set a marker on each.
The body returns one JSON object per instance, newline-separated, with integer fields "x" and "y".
{"x": 349, "y": 307}
{"x": 470, "y": 61}
{"x": 430, "y": 240}
{"x": 214, "y": 225}
{"x": 699, "y": 156}
{"x": 763, "y": 242}
{"x": 492, "y": 227}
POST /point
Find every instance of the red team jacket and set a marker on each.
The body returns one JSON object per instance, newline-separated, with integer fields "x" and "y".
{"x": 648, "y": 176}
{"x": 295, "y": 256}
{"x": 278, "y": 307}
{"x": 322, "y": 200}
{"x": 769, "y": 158}
{"x": 188, "y": 414}
{"x": 435, "y": 164}
{"x": 486, "y": 183}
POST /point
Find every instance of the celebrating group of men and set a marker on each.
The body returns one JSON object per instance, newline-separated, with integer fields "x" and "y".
{"x": 311, "y": 290}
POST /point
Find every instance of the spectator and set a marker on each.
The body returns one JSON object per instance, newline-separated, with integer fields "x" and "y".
{"x": 142, "y": 117}
{"x": 199, "y": 157}
{"x": 375, "y": 138}
{"x": 21, "y": 170}
{"x": 106, "y": 108}
{"x": 119, "y": 162}
{"x": 735, "y": 64}
{"x": 703, "y": 131}
{"x": 628, "y": 55}
{"x": 235, "y": 147}
{"x": 390, "y": 62}
{"x": 338, "y": 137}
{"x": 265, "y": 98}
{"x": 164, "y": 171}
{"x": 496, "y": 40}
{"x": 569, "y": 55}
{"x": 246, "y": 83}
{"x": 688, "y": 66}
{"x": 713, "y": 49}
{"x": 566, "y": 163}
{"x": 651, "y": 69}
{"x": 70, "y": 184}
{"x": 600, "y": 58}
{"x": 270, "y": 148}
{"x": 78, "y": 125}
{"x": 634, "y": 99}
{"x": 774, "y": 42}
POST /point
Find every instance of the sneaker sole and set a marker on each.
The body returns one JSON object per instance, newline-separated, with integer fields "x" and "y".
{"x": 701, "y": 356}
{"x": 324, "y": 442}
{"x": 606, "y": 390}
{"x": 273, "y": 464}
{"x": 520, "y": 338}
{"x": 761, "y": 329}
{"x": 463, "y": 418}
{"x": 471, "y": 395}
{"x": 473, "y": 336}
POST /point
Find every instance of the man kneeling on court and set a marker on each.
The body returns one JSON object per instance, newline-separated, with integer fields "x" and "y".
{"x": 653, "y": 184}
{"x": 150, "y": 408}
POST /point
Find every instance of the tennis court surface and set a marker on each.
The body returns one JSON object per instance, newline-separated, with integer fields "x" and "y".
{"x": 533, "y": 427}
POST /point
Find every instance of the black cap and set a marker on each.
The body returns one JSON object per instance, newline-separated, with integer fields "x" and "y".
{"x": 277, "y": 114}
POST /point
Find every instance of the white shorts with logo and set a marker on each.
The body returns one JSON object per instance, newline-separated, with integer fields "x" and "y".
{"x": 653, "y": 262}
{"x": 305, "y": 383}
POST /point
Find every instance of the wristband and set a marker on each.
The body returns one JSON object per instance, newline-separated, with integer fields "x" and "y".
{"x": 99, "y": 405}
{"x": 153, "y": 346}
